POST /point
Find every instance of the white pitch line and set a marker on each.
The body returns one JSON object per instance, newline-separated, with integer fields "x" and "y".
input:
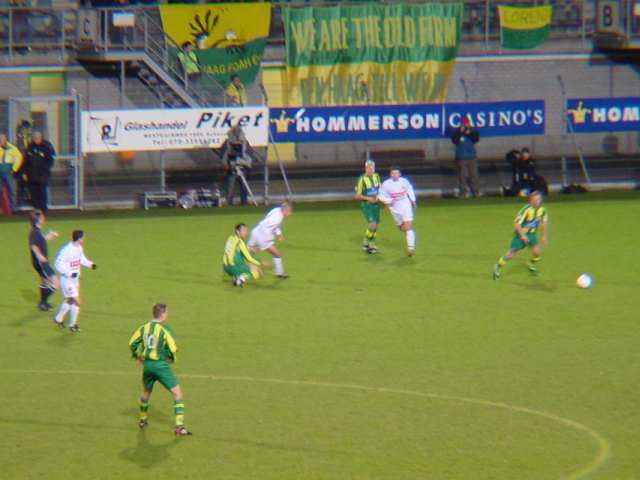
{"x": 588, "y": 469}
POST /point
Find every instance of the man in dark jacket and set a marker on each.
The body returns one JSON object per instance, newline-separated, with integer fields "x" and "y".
{"x": 465, "y": 139}
{"x": 39, "y": 158}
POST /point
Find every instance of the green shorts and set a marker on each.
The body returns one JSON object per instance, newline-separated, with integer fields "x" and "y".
{"x": 371, "y": 212}
{"x": 158, "y": 370}
{"x": 237, "y": 270}
{"x": 518, "y": 244}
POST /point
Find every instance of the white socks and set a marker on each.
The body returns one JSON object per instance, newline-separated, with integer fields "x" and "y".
{"x": 411, "y": 239}
{"x": 73, "y": 316}
{"x": 64, "y": 308}
{"x": 278, "y": 267}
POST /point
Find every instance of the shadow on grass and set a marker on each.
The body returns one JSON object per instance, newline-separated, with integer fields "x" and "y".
{"x": 65, "y": 424}
{"x": 156, "y": 416}
{"x": 311, "y": 248}
{"x": 63, "y": 337}
{"x": 186, "y": 275}
{"x": 29, "y": 295}
{"x": 29, "y": 319}
{"x": 536, "y": 284}
{"x": 274, "y": 446}
{"x": 147, "y": 455}
{"x": 466, "y": 257}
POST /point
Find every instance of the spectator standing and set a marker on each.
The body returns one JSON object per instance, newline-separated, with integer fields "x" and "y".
{"x": 24, "y": 135}
{"x": 189, "y": 62}
{"x": 10, "y": 164}
{"x": 38, "y": 161}
{"x": 465, "y": 139}
{"x": 236, "y": 92}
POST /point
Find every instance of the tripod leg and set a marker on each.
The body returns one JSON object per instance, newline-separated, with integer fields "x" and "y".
{"x": 246, "y": 186}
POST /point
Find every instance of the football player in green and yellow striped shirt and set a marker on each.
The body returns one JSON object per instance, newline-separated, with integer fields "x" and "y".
{"x": 531, "y": 219}
{"x": 367, "y": 192}
{"x": 237, "y": 261}
{"x": 154, "y": 346}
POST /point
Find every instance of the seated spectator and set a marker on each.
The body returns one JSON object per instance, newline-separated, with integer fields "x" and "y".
{"x": 532, "y": 181}
{"x": 524, "y": 178}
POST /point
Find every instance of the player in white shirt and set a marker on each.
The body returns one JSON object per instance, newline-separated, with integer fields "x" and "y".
{"x": 397, "y": 193}
{"x": 70, "y": 259}
{"x": 264, "y": 235}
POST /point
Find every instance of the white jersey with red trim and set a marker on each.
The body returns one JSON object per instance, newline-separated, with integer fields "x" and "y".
{"x": 70, "y": 259}
{"x": 396, "y": 191}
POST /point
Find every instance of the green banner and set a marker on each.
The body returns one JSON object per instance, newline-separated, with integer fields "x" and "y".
{"x": 347, "y": 55}
{"x": 228, "y": 38}
{"x": 524, "y": 27}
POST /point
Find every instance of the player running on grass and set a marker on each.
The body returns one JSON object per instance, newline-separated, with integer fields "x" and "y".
{"x": 153, "y": 346}
{"x": 264, "y": 235}
{"x": 70, "y": 259}
{"x": 237, "y": 260}
{"x": 531, "y": 218}
{"x": 367, "y": 192}
{"x": 397, "y": 193}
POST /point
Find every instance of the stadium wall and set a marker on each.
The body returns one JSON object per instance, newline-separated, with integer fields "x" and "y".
{"x": 500, "y": 78}
{"x": 487, "y": 78}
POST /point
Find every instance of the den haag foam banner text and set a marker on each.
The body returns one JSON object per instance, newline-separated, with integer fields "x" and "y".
{"x": 170, "y": 129}
{"x": 371, "y": 54}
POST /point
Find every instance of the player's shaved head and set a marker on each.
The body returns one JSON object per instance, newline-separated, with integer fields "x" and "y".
{"x": 369, "y": 167}
{"x": 287, "y": 208}
{"x": 36, "y": 218}
{"x": 158, "y": 310}
{"x": 242, "y": 230}
{"x": 535, "y": 198}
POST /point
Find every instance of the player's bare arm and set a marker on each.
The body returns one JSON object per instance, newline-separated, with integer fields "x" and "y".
{"x": 543, "y": 232}
{"x": 38, "y": 253}
{"x": 521, "y": 232}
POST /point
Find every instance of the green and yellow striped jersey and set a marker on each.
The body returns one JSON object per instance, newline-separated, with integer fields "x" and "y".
{"x": 237, "y": 253}
{"x": 368, "y": 185}
{"x": 153, "y": 341}
{"x": 530, "y": 218}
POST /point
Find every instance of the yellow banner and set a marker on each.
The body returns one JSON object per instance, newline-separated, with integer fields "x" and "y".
{"x": 369, "y": 83}
{"x": 216, "y": 26}
{"x": 525, "y": 18}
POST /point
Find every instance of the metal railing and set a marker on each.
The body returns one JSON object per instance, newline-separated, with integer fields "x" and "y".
{"x": 146, "y": 34}
{"x": 25, "y": 30}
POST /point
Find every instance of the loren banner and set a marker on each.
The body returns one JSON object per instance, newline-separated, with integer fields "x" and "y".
{"x": 405, "y": 122}
{"x": 382, "y": 54}
{"x": 229, "y": 38}
{"x": 523, "y": 27}
{"x": 170, "y": 129}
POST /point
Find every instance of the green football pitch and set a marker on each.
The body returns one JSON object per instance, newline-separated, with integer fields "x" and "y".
{"x": 356, "y": 367}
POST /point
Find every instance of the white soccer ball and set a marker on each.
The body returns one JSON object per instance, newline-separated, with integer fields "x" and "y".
{"x": 584, "y": 281}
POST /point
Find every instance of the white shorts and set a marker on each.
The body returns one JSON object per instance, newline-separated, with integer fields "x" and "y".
{"x": 402, "y": 212}
{"x": 70, "y": 286}
{"x": 260, "y": 240}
